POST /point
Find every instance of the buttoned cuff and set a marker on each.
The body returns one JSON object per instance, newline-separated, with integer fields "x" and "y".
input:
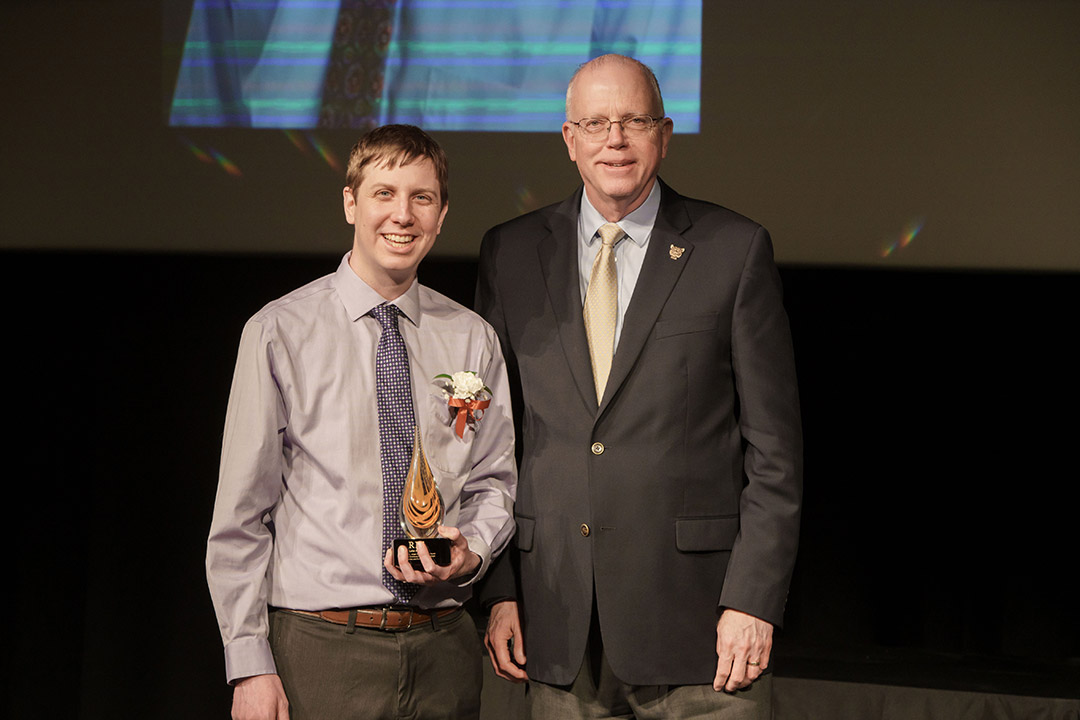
{"x": 248, "y": 656}
{"x": 482, "y": 549}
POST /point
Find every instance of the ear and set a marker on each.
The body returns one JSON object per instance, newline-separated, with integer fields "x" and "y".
{"x": 442, "y": 216}
{"x": 350, "y": 205}
{"x": 569, "y": 138}
{"x": 667, "y": 127}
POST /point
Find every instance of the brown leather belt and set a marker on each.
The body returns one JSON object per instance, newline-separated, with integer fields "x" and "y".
{"x": 384, "y": 618}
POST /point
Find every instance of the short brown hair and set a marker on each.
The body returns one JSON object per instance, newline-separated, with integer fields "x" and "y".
{"x": 393, "y": 146}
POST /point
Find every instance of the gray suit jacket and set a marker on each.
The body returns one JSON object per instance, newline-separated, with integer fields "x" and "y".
{"x": 680, "y": 494}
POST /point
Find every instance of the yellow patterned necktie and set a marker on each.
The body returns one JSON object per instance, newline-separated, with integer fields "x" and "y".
{"x": 601, "y": 307}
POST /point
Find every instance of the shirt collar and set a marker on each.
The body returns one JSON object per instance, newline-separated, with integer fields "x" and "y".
{"x": 358, "y": 297}
{"x": 637, "y": 225}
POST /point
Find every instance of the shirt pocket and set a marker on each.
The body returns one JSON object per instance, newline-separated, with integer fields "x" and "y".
{"x": 445, "y": 451}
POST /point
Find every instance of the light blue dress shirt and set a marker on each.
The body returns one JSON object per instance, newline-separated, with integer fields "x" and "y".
{"x": 629, "y": 252}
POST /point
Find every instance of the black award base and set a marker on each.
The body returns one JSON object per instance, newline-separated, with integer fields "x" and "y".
{"x": 439, "y": 548}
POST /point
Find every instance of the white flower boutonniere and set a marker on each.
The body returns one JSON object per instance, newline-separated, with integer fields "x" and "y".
{"x": 466, "y": 395}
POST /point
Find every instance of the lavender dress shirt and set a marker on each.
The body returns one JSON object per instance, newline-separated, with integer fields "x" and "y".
{"x": 298, "y": 517}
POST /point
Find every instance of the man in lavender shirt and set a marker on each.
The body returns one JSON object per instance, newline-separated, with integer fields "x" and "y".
{"x": 294, "y": 558}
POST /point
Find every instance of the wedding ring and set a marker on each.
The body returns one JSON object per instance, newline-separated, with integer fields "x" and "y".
{"x": 753, "y": 663}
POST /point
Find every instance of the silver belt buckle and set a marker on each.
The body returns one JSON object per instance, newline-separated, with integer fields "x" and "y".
{"x": 385, "y": 612}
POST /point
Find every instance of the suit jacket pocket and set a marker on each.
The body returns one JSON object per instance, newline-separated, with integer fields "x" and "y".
{"x": 685, "y": 325}
{"x": 706, "y": 534}
{"x": 524, "y": 535}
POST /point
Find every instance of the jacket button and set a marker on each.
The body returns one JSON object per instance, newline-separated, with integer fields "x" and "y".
{"x": 598, "y": 448}
{"x": 585, "y": 530}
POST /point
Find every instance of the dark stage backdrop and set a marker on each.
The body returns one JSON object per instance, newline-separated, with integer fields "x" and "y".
{"x": 938, "y": 546}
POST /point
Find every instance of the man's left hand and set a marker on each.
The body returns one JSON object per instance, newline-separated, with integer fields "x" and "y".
{"x": 743, "y": 645}
{"x": 463, "y": 561}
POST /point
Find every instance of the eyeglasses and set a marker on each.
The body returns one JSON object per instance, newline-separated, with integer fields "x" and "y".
{"x": 631, "y": 124}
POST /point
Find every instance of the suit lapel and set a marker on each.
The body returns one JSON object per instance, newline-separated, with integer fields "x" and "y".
{"x": 659, "y": 273}
{"x": 559, "y": 264}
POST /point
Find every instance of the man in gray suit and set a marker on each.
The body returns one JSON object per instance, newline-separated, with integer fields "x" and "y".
{"x": 660, "y": 438}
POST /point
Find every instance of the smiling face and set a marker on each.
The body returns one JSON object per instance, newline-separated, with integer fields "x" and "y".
{"x": 618, "y": 169}
{"x": 397, "y": 212}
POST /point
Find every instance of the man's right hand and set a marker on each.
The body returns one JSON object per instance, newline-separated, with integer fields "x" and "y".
{"x": 504, "y": 633}
{"x": 259, "y": 697}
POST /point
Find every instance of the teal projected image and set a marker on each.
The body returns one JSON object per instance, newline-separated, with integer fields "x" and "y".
{"x": 497, "y": 65}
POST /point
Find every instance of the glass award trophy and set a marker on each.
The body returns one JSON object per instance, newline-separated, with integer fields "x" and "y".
{"x": 422, "y": 511}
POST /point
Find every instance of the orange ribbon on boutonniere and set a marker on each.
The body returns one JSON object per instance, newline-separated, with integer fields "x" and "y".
{"x": 467, "y": 395}
{"x": 468, "y": 410}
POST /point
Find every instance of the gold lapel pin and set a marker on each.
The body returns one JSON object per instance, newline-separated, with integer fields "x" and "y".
{"x": 675, "y": 252}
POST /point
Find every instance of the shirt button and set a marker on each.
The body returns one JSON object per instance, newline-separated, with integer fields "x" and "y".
{"x": 598, "y": 448}
{"x": 585, "y": 530}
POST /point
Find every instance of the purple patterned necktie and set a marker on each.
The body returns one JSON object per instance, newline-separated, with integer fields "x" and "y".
{"x": 393, "y": 391}
{"x": 355, "y": 70}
